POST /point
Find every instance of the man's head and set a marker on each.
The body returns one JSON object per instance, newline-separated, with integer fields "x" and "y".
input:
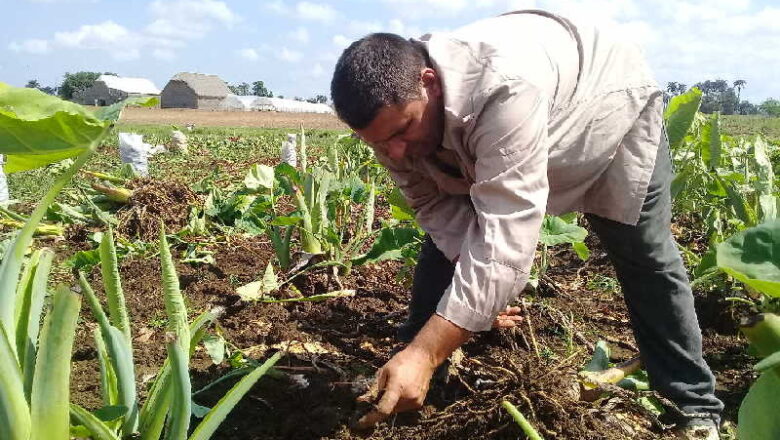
{"x": 385, "y": 89}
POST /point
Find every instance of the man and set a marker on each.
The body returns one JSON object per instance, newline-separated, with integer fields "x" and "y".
{"x": 485, "y": 129}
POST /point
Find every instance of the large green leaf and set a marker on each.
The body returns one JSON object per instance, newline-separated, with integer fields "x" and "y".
{"x": 758, "y": 412}
{"x": 389, "y": 245}
{"x": 679, "y": 115}
{"x": 37, "y": 129}
{"x": 753, "y": 257}
{"x": 556, "y": 230}
{"x": 710, "y": 143}
{"x": 259, "y": 176}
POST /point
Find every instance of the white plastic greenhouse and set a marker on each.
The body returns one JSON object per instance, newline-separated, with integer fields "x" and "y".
{"x": 258, "y": 103}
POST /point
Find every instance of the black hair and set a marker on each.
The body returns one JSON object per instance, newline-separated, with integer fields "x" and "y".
{"x": 379, "y": 69}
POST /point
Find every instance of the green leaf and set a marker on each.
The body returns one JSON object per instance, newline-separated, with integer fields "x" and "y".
{"x": 710, "y": 144}
{"x": 752, "y": 257}
{"x": 557, "y": 231}
{"x": 199, "y": 411}
{"x": 679, "y": 115}
{"x": 257, "y": 289}
{"x": 397, "y": 200}
{"x": 180, "y": 412}
{"x": 581, "y": 249}
{"x": 389, "y": 245}
{"x": 110, "y": 413}
{"x": 14, "y": 413}
{"x": 98, "y": 430}
{"x": 51, "y": 384}
{"x": 174, "y": 301}
{"x": 109, "y": 268}
{"x": 758, "y": 412}
{"x": 215, "y": 347}
{"x": 286, "y": 221}
{"x": 259, "y": 176}
{"x": 314, "y": 298}
{"x": 600, "y": 359}
{"x": 771, "y": 361}
{"x": 37, "y": 129}
{"x": 214, "y": 418}
{"x": 112, "y": 113}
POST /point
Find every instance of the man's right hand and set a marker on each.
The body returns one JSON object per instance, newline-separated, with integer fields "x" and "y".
{"x": 508, "y": 318}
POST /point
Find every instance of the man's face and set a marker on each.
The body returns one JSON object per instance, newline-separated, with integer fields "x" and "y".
{"x": 411, "y": 129}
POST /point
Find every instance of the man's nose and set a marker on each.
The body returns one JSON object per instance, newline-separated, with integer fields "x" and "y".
{"x": 396, "y": 148}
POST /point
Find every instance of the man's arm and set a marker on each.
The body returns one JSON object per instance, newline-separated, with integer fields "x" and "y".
{"x": 509, "y": 198}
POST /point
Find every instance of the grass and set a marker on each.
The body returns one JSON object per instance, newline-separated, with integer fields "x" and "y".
{"x": 221, "y": 152}
{"x": 740, "y": 125}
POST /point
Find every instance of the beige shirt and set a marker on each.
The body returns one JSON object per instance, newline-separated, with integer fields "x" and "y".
{"x": 541, "y": 115}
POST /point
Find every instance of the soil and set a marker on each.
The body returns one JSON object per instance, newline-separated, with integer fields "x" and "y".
{"x": 138, "y": 115}
{"x": 312, "y": 396}
{"x": 152, "y": 202}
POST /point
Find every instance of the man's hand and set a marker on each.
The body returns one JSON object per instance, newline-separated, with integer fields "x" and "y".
{"x": 404, "y": 380}
{"x": 508, "y": 318}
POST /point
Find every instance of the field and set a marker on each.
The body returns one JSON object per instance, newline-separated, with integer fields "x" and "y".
{"x": 208, "y": 203}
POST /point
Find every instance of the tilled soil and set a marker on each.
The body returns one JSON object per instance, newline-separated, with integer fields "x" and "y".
{"x": 181, "y": 116}
{"x": 533, "y": 366}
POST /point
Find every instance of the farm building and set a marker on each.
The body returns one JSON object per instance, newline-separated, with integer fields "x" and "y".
{"x": 194, "y": 90}
{"x": 260, "y": 103}
{"x": 109, "y": 89}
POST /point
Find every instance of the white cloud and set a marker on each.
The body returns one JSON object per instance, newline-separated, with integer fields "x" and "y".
{"x": 249, "y": 54}
{"x": 397, "y": 26}
{"x": 188, "y": 19}
{"x": 316, "y": 12}
{"x": 341, "y": 41}
{"x": 106, "y": 35}
{"x": 33, "y": 46}
{"x": 289, "y": 55}
{"x": 276, "y": 6}
{"x": 300, "y": 35}
{"x": 174, "y": 23}
{"x": 318, "y": 71}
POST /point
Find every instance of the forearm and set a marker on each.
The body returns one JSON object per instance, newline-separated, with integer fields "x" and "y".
{"x": 439, "y": 338}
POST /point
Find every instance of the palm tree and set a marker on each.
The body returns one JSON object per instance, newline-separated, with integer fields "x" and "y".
{"x": 739, "y": 85}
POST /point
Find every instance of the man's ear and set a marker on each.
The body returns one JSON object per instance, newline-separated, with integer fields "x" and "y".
{"x": 430, "y": 81}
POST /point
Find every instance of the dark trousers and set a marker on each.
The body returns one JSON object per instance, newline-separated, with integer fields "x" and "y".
{"x": 656, "y": 290}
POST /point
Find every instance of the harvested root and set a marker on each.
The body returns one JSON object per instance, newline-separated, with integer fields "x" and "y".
{"x": 592, "y": 382}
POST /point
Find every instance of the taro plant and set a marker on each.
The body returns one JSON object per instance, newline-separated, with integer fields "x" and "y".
{"x": 169, "y": 406}
{"x": 37, "y": 129}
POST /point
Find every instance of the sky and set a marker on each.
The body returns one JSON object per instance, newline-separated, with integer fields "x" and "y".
{"x": 293, "y": 45}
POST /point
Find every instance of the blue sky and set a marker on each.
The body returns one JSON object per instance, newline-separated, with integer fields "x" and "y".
{"x": 293, "y": 45}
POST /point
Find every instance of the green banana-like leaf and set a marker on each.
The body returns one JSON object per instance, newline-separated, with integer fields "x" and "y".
{"x": 14, "y": 412}
{"x": 679, "y": 115}
{"x": 97, "y": 428}
{"x": 30, "y": 307}
{"x": 214, "y": 418}
{"x": 752, "y": 256}
{"x": 174, "y": 301}
{"x": 158, "y": 403}
{"x": 181, "y": 410}
{"x": 108, "y": 381}
{"x": 120, "y": 352}
{"x": 259, "y": 177}
{"x": 109, "y": 268}
{"x": 389, "y": 245}
{"x": 112, "y": 113}
{"x": 49, "y": 404}
{"x": 37, "y": 129}
{"x": 556, "y": 230}
{"x": 758, "y": 412}
{"x": 710, "y": 143}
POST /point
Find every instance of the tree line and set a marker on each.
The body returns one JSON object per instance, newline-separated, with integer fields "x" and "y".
{"x": 72, "y": 83}
{"x": 721, "y": 96}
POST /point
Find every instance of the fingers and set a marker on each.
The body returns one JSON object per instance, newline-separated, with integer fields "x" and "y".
{"x": 511, "y": 311}
{"x": 383, "y": 410}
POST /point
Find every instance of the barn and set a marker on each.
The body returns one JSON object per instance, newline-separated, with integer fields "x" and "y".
{"x": 194, "y": 90}
{"x": 109, "y": 89}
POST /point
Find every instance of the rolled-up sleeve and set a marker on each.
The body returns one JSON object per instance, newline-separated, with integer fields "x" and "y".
{"x": 509, "y": 198}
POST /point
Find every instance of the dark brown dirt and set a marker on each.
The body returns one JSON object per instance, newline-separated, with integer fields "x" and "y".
{"x": 313, "y": 397}
{"x": 154, "y": 201}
